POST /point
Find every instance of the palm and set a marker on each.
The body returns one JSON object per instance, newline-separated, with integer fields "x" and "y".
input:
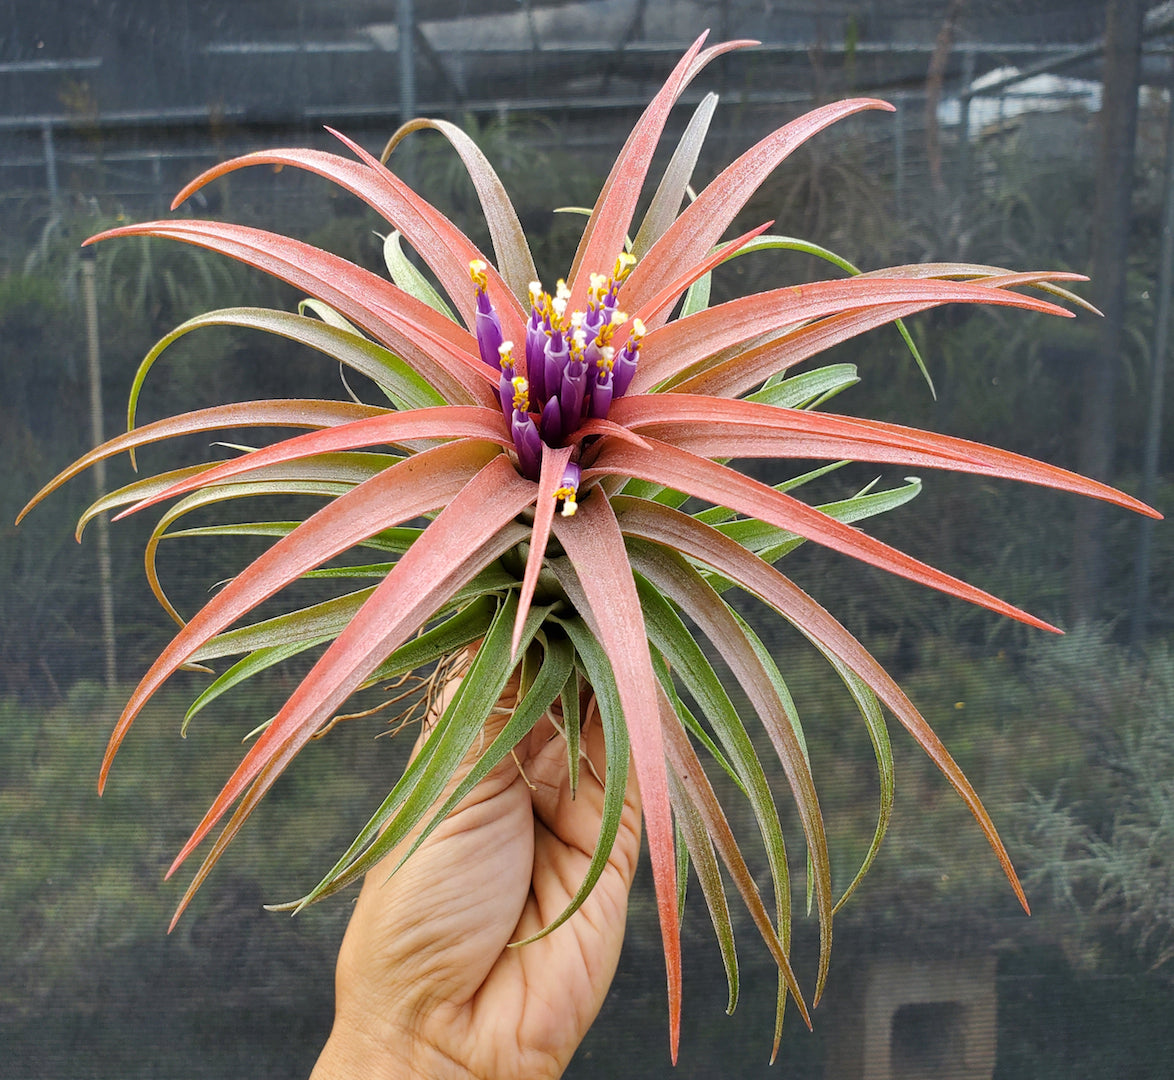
{"x": 501, "y": 867}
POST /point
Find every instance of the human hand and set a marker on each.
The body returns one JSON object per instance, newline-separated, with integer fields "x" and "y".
{"x": 426, "y": 985}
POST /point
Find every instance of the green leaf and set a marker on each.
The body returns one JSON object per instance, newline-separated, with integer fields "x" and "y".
{"x": 878, "y": 733}
{"x": 443, "y": 752}
{"x": 335, "y": 338}
{"x": 572, "y": 724}
{"x": 808, "y": 390}
{"x": 510, "y": 247}
{"x": 696, "y": 789}
{"x": 692, "y": 829}
{"x": 244, "y": 669}
{"x": 771, "y": 543}
{"x": 666, "y": 202}
{"x": 557, "y": 666}
{"x": 715, "y": 515}
{"x": 409, "y": 278}
{"x": 328, "y": 315}
{"x": 397, "y": 540}
{"x": 671, "y": 637}
{"x": 790, "y": 243}
{"x": 689, "y": 721}
{"x": 617, "y": 756}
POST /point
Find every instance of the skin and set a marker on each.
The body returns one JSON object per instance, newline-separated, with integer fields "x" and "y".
{"x": 426, "y": 985}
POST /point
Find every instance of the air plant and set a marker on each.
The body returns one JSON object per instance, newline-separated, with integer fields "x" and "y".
{"x": 548, "y": 442}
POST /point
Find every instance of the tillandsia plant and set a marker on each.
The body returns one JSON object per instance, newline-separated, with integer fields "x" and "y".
{"x": 548, "y": 441}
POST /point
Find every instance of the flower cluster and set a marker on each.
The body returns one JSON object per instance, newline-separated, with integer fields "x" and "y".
{"x": 573, "y": 371}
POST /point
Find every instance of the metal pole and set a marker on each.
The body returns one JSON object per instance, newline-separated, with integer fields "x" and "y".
{"x": 1139, "y": 616}
{"x": 406, "y": 25}
{"x": 50, "y": 163}
{"x": 101, "y": 526}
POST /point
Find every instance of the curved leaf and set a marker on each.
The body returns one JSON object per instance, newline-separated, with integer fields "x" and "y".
{"x": 467, "y": 422}
{"x": 702, "y": 223}
{"x": 662, "y": 525}
{"x": 672, "y": 575}
{"x": 716, "y": 427}
{"x": 395, "y": 495}
{"x": 674, "y": 348}
{"x": 604, "y": 594}
{"x": 374, "y": 305}
{"x": 406, "y": 275}
{"x": 715, "y": 483}
{"x": 472, "y": 530}
{"x": 666, "y": 202}
{"x": 510, "y": 248}
{"x": 285, "y": 413}
{"x": 406, "y": 389}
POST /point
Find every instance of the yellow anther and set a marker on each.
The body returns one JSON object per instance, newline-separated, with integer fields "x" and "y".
{"x": 567, "y": 496}
{"x": 637, "y": 330}
{"x": 506, "y": 351}
{"x": 477, "y": 270}
{"x": 625, "y": 262}
{"x": 521, "y": 393}
{"x": 606, "y": 359}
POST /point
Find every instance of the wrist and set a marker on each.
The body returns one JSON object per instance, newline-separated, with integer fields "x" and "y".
{"x": 357, "y": 1051}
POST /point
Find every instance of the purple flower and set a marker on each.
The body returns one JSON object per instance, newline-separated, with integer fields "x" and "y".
{"x": 488, "y": 324}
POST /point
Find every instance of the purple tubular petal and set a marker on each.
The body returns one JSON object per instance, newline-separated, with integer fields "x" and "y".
{"x": 552, "y": 422}
{"x": 571, "y": 394}
{"x": 536, "y": 360}
{"x": 591, "y": 357}
{"x": 488, "y": 328}
{"x": 505, "y": 390}
{"x": 625, "y": 369}
{"x": 571, "y": 476}
{"x": 557, "y": 354}
{"x": 527, "y": 443}
{"x": 601, "y": 395}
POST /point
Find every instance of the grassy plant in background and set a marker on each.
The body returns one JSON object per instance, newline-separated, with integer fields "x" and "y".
{"x": 549, "y": 442}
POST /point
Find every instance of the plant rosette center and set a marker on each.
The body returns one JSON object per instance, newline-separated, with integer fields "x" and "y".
{"x": 572, "y": 370}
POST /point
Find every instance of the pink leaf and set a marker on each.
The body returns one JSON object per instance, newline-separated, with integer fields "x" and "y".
{"x": 680, "y": 344}
{"x": 293, "y": 412}
{"x": 387, "y": 313}
{"x": 717, "y": 427}
{"x": 723, "y": 486}
{"x": 472, "y": 530}
{"x": 662, "y": 525}
{"x": 413, "y": 487}
{"x": 440, "y": 243}
{"x": 610, "y": 605}
{"x": 702, "y": 223}
{"x": 443, "y": 422}
{"x": 554, "y": 462}
{"x": 603, "y": 236}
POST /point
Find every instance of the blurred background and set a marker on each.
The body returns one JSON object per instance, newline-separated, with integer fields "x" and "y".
{"x": 1030, "y": 134}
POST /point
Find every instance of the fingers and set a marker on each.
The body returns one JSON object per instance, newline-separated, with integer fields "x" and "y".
{"x": 575, "y": 822}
